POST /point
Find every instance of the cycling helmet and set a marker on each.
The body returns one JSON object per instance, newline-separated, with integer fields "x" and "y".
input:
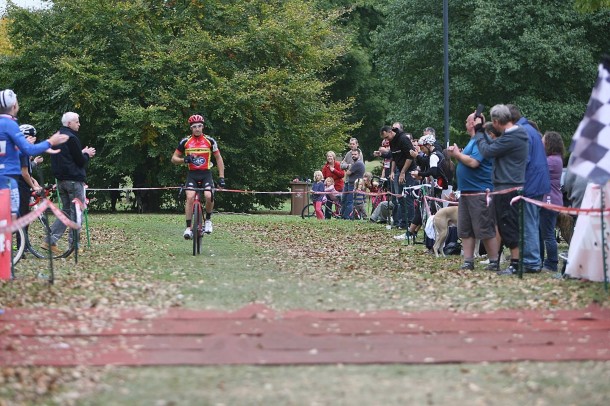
{"x": 27, "y": 129}
{"x": 196, "y": 118}
{"x": 8, "y": 99}
{"x": 427, "y": 140}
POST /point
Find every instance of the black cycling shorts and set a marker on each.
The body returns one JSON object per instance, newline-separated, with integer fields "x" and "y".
{"x": 199, "y": 179}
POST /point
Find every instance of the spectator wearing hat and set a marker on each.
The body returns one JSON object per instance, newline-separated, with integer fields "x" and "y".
{"x": 13, "y": 141}
{"x": 26, "y": 181}
{"x": 427, "y": 145}
{"x": 429, "y": 163}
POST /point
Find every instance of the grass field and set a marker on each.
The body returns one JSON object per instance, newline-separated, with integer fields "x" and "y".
{"x": 286, "y": 263}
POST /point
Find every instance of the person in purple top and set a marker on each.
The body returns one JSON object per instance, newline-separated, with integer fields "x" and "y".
{"x": 554, "y": 148}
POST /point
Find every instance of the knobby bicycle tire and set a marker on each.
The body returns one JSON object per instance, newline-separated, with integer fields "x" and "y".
{"x": 18, "y": 245}
{"x": 197, "y": 228}
{"x": 200, "y": 232}
{"x": 37, "y": 233}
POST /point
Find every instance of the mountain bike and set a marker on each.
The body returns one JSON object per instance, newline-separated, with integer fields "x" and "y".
{"x": 309, "y": 211}
{"x": 197, "y": 221}
{"x": 18, "y": 245}
{"x": 38, "y": 232}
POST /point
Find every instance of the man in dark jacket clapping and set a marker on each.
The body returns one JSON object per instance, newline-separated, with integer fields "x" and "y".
{"x": 69, "y": 168}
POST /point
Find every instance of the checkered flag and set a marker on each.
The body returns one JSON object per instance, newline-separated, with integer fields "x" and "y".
{"x": 591, "y": 142}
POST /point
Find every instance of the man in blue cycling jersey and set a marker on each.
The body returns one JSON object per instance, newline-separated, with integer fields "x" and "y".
{"x": 12, "y": 139}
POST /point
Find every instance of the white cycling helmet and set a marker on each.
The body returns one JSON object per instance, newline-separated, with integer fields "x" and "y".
{"x": 27, "y": 129}
{"x": 427, "y": 140}
{"x": 8, "y": 99}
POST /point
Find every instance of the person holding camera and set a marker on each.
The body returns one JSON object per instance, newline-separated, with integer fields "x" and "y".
{"x": 196, "y": 151}
{"x": 476, "y": 219}
{"x": 510, "y": 152}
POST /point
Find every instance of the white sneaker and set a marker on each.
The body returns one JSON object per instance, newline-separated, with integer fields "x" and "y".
{"x": 400, "y": 236}
{"x": 188, "y": 234}
{"x": 207, "y": 227}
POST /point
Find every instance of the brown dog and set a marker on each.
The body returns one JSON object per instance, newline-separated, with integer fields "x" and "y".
{"x": 445, "y": 217}
{"x": 442, "y": 220}
{"x": 565, "y": 224}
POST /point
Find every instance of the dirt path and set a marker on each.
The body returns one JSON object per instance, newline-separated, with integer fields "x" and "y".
{"x": 258, "y": 335}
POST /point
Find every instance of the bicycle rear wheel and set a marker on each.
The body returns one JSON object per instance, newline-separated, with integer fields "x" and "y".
{"x": 37, "y": 234}
{"x": 18, "y": 245}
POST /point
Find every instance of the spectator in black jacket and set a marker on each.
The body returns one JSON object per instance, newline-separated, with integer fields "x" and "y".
{"x": 69, "y": 168}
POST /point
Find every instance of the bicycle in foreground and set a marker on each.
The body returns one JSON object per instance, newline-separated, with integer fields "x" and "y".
{"x": 34, "y": 238}
{"x": 197, "y": 220}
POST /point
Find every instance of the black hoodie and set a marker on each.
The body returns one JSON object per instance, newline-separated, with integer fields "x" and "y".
{"x": 70, "y": 163}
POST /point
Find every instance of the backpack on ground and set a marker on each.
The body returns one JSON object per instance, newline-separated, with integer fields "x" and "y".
{"x": 452, "y": 243}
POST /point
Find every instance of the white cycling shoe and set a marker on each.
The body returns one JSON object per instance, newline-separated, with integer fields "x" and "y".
{"x": 188, "y": 234}
{"x": 207, "y": 227}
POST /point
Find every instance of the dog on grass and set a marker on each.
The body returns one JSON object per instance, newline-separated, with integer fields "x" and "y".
{"x": 445, "y": 217}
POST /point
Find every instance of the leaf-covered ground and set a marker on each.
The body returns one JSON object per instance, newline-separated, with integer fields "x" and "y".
{"x": 282, "y": 261}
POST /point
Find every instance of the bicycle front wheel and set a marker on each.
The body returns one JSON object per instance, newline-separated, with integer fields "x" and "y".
{"x": 18, "y": 245}
{"x": 37, "y": 234}
{"x": 197, "y": 227}
{"x": 308, "y": 211}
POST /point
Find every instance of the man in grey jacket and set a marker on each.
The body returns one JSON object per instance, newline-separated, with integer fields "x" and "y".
{"x": 510, "y": 152}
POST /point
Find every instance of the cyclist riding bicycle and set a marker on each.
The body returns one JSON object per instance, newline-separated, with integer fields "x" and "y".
{"x": 196, "y": 151}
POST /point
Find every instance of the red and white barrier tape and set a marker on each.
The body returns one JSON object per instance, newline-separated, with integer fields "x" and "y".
{"x": 553, "y": 207}
{"x": 29, "y": 218}
{"x": 21, "y": 222}
{"x": 436, "y": 199}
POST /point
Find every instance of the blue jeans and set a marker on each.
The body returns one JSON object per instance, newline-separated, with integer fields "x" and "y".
{"x": 548, "y": 219}
{"x": 531, "y": 235}
{"x": 68, "y": 190}
{"x": 347, "y": 201}
{"x": 404, "y": 210}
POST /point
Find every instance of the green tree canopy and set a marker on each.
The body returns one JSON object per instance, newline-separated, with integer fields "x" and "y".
{"x": 136, "y": 70}
{"x": 540, "y": 55}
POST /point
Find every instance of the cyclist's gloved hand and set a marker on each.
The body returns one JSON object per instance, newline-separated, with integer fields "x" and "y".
{"x": 188, "y": 159}
{"x": 221, "y": 182}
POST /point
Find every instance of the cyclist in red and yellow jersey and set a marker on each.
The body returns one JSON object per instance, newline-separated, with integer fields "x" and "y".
{"x": 196, "y": 151}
